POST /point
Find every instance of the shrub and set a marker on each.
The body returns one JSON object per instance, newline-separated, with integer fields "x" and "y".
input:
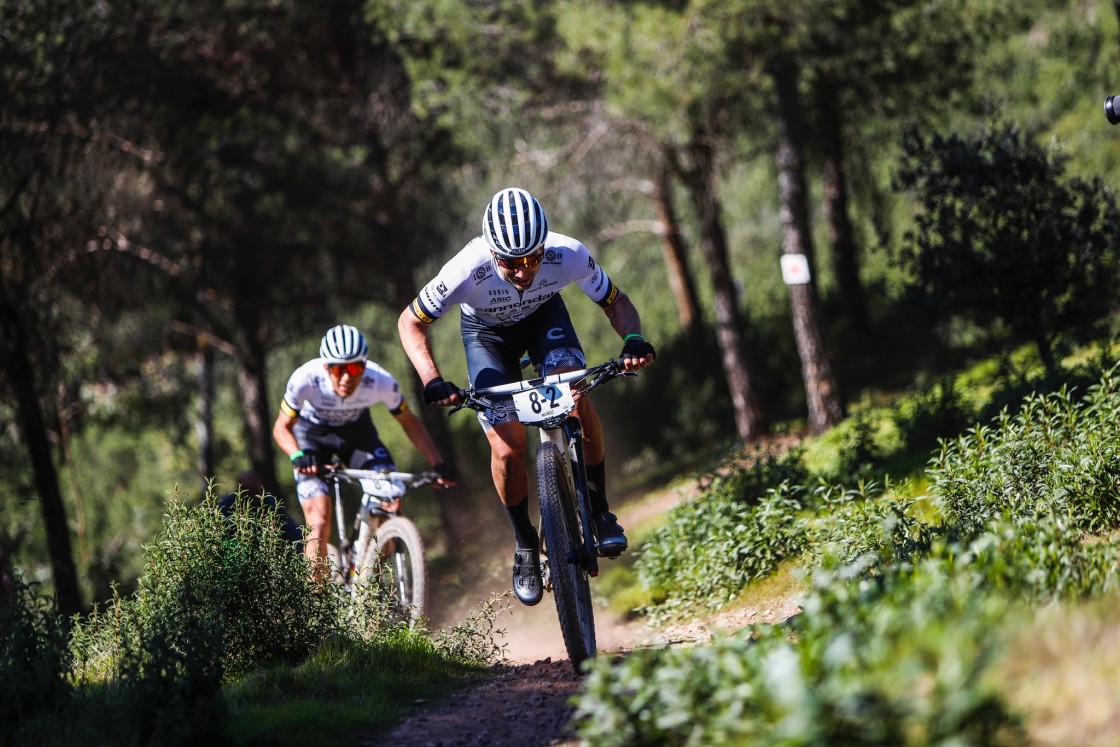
{"x": 33, "y": 661}
{"x": 709, "y": 549}
{"x": 220, "y": 597}
{"x": 899, "y": 659}
{"x": 1057, "y": 455}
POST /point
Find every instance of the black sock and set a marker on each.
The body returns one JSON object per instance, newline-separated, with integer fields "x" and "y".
{"x": 597, "y": 486}
{"x": 524, "y": 533}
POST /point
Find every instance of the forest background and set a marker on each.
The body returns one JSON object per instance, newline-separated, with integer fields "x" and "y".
{"x": 191, "y": 193}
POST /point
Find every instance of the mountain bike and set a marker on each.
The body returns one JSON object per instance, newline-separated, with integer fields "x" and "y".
{"x": 388, "y": 549}
{"x": 569, "y": 554}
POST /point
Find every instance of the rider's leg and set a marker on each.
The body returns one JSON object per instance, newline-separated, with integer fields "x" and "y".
{"x": 317, "y": 512}
{"x": 594, "y": 453}
{"x": 511, "y": 478}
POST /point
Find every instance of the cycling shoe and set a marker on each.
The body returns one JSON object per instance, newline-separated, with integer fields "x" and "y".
{"x": 611, "y": 541}
{"x": 527, "y": 586}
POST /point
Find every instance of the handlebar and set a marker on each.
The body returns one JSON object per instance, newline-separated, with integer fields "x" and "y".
{"x": 585, "y": 379}
{"x": 347, "y": 475}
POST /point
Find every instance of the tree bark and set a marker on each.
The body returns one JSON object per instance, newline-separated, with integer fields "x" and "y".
{"x": 750, "y": 418}
{"x": 673, "y": 251}
{"x": 845, "y": 254}
{"x": 16, "y": 366}
{"x": 821, "y": 390}
{"x": 252, "y": 383}
{"x": 204, "y": 423}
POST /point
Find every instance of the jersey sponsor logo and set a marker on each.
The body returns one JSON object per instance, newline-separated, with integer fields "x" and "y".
{"x": 556, "y": 333}
{"x": 500, "y": 295}
{"x": 551, "y": 256}
{"x": 481, "y": 273}
{"x": 590, "y": 263}
{"x": 442, "y": 288}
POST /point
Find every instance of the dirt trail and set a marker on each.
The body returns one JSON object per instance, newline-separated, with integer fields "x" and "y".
{"x": 526, "y": 702}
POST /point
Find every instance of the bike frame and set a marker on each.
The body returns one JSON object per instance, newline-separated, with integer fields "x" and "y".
{"x": 369, "y": 518}
{"x": 548, "y": 403}
{"x": 562, "y": 429}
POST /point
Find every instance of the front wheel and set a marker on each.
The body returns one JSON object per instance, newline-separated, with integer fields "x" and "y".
{"x": 396, "y": 560}
{"x": 564, "y": 549}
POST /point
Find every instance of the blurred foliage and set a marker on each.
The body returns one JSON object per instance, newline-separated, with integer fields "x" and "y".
{"x": 349, "y": 142}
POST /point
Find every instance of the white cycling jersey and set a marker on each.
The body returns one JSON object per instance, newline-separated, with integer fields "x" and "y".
{"x": 471, "y": 278}
{"x": 311, "y": 396}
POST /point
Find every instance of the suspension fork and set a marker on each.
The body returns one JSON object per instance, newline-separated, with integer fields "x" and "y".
{"x": 573, "y": 434}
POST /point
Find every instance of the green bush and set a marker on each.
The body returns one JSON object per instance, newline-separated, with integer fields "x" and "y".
{"x": 33, "y": 662}
{"x": 220, "y": 597}
{"x": 710, "y": 548}
{"x": 898, "y": 659}
{"x": 1057, "y": 455}
{"x": 896, "y": 641}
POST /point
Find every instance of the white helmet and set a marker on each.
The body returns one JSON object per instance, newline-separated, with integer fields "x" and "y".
{"x": 343, "y": 344}
{"x": 514, "y": 224}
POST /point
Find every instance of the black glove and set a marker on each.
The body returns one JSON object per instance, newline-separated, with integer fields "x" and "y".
{"x": 447, "y": 472}
{"x": 437, "y": 390}
{"x": 636, "y": 345}
{"x": 305, "y": 460}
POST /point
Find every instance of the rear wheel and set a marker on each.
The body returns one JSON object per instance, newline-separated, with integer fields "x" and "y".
{"x": 563, "y": 546}
{"x": 396, "y": 561}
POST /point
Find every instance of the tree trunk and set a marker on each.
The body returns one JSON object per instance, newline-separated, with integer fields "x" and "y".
{"x": 204, "y": 423}
{"x": 673, "y": 250}
{"x": 750, "y": 419}
{"x": 16, "y": 367}
{"x": 252, "y": 383}
{"x": 821, "y": 391}
{"x": 845, "y": 255}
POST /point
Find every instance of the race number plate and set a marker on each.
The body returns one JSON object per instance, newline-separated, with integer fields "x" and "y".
{"x": 543, "y": 403}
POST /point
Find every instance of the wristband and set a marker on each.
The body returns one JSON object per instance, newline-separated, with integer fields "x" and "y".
{"x": 295, "y": 455}
{"x": 634, "y": 336}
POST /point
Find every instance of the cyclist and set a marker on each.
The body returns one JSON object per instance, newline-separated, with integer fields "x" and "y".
{"x": 507, "y": 282}
{"x": 325, "y": 413}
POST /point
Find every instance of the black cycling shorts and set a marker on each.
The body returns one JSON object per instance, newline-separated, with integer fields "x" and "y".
{"x": 356, "y": 444}
{"x": 494, "y": 353}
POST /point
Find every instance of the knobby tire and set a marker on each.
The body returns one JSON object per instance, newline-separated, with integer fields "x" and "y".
{"x": 563, "y": 545}
{"x": 398, "y": 558}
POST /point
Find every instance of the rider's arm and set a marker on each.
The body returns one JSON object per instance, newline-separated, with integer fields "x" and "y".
{"x": 285, "y": 438}
{"x": 413, "y": 330}
{"x": 417, "y": 345}
{"x": 627, "y": 323}
{"x": 282, "y": 432}
{"x": 624, "y": 316}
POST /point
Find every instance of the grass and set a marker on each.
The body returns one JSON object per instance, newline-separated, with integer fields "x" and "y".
{"x": 342, "y": 691}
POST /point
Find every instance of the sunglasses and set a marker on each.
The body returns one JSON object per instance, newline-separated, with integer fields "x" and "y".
{"x": 529, "y": 261}
{"x": 354, "y": 369}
